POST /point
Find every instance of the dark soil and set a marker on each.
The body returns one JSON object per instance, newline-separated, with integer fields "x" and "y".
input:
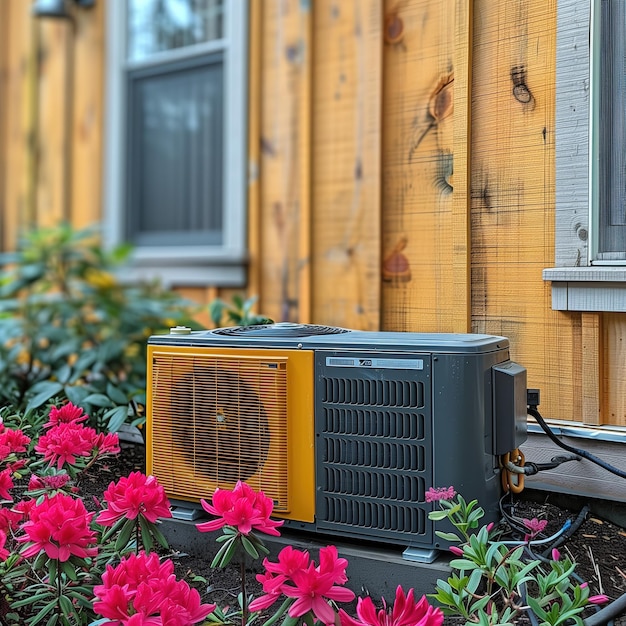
{"x": 597, "y": 546}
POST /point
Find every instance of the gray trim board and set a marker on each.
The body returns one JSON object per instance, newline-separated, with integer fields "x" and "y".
{"x": 576, "y": 285}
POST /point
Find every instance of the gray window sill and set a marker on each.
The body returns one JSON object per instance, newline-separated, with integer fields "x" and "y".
{"x": 587, "y": 288}
{"x": 218, "y": 273}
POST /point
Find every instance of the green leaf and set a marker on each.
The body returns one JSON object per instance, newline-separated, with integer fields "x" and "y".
{"x": 38, "y": 618}
{"x": 75, "y": 395}
{"x": 249, "y": 547}
{"x": 146, "y": 535}
{"x": 44, "y": 391}
{"x": 447, "y": 536}
{"x": 437, "y": 516}
{"x": 33, "y": 599}
{"x": 124, "y": 536}
{"x": 225, "y": 553}
{"x": 66, "y": 605}
{"x": 53, "y": 620}
{"x": 463, "y": 564}
{"x": 159, "y": 536}
{"x": 116, "y": 394}
{"x": 69, "y": 570}
{"x": 98, "y": 399}
{"x": 116, "y": 416}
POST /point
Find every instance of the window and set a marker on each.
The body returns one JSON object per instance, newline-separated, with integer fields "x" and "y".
{"x": 608, "y": 132}
{"x": 590, "y": 239}
{"x": 176, "y": 138}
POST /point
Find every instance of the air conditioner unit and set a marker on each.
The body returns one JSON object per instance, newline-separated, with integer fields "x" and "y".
{"x": 345, "y": 430}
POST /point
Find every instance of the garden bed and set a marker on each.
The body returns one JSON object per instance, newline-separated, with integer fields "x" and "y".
{"x": 598, "y": 546}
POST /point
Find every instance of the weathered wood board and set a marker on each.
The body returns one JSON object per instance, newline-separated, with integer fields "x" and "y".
{"x": 346, "y": 175}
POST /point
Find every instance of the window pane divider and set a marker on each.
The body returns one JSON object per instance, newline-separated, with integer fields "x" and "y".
{"x": 178, "y": 54}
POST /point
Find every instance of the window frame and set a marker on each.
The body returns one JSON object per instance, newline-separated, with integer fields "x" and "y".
{"x": 579, "y": 282}
{"x": 191, "y": 265}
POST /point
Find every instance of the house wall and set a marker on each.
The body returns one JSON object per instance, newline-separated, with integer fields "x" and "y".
{"x": 402, "y": 172}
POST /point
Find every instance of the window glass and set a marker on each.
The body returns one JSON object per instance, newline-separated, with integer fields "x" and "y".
{"x": 160, "y": 25}
{"x": 611, "y": 123}
{"x": 176, "y": 153}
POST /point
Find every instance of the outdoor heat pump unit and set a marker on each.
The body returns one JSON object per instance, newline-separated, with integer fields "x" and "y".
{"x": 345, "y": 430}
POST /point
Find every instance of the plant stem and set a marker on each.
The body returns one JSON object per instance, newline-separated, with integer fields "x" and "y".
{"x": 244, "y": 599}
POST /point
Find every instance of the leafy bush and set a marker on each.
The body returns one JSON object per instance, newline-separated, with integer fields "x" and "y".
{"x": 69, "y": 329}
{"x": 494, "y": 582}
{"x": 239, "y": 312}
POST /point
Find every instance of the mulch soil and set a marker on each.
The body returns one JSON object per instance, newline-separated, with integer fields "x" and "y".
{"x": 598, "y": 546}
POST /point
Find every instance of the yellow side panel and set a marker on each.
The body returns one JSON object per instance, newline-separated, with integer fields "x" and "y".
{"x": 218, "y": 415}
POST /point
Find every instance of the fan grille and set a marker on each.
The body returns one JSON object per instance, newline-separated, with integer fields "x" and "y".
{"x": 281, "y": 329}
{"x": 218, "y": 419}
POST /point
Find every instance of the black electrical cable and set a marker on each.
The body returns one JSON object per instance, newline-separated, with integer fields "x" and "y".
{"x": 583, "y": 453}
{"x": 576, "y": 524}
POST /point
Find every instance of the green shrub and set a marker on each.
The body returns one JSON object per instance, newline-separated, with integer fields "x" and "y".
{"x": 239, "y": 312}
{"x": 69, "y": 329}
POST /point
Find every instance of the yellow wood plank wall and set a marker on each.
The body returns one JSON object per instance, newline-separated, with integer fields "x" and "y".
{"x": 346, "y": 157}
{"x": 512, "y": 193}
{"x": 53, "y": 118}
{"x": 19, "y": 89}
{"x": 417, "y": 163}
{"x": 401, "y": 171}
{"x": 613, "y": 385}
{"x": 284, "y": 249}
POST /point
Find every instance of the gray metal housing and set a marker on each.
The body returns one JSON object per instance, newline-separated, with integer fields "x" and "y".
{"x": 396, "y": 414}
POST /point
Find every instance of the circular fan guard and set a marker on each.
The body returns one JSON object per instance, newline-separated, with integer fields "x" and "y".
{"x": 280, "y": 329}
{"x": 225, "y": 440}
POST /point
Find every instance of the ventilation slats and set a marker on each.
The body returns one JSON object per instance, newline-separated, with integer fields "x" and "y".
{"x": 374, "y": 451}
{"x": 371, "y": 516}
{"x": 396, "y": 424}
{"x": 216, "y": 420}
{"x": 367, "y": 392}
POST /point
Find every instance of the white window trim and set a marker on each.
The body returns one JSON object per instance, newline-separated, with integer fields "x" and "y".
{"x": 578, "y": 284}
{"x": 185, "y": 265}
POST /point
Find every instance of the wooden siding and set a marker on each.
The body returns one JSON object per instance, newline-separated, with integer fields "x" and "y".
{"x": 402, "y": 172}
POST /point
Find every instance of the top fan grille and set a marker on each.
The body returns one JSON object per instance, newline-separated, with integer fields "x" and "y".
{"x": 281, "y": 329}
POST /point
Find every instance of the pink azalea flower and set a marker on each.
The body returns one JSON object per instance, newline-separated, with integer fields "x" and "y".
{"x": 6, "y": 483}
{"x": 405, "y": 612}
{"x": 242, "y": 508}
{"x": 66, "y": 441}
{"x": 12, "y": 441}
{"x": 134, "y": 495}
{"x": 4, "y": 553}
{"x": 108, "y": 443}
{"x": 331, "y": 563}
{"x": 290, "y": 561}
{"x": 138, "y": 619}
{"x": 57, "y": 481}
{"x": 434, "y": 494}
{"x": 9, "y": 519}
{"x": 314, "y": 586}
{"x": 142, "y": 585}
{"x": 67, "y": 414}
{"x": 60, "y": 526}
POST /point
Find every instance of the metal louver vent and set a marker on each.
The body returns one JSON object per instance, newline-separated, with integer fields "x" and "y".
{"x": 401, "y": 393}
{"x": 374, "y": 452}
{"x": 217, "y": 420}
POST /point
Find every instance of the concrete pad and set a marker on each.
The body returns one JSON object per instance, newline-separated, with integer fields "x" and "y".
{"x": 372, "y": 569}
